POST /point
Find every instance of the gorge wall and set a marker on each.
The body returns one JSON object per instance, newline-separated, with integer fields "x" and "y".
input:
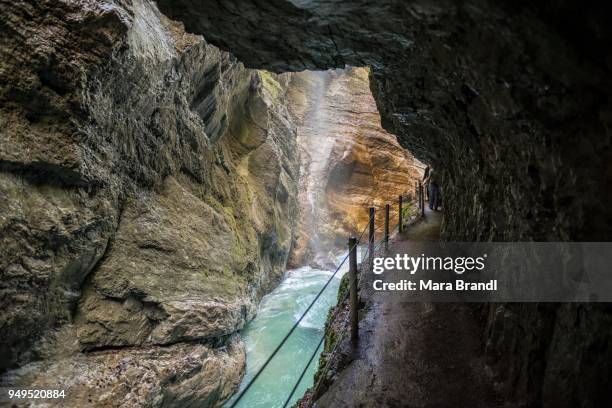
{"x": 510, "y": 101}
{"x": 348, "y": 161}
{"x": 149, "y": 193}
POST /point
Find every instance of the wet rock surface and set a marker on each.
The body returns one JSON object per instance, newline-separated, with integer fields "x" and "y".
{"x": 149, "y": 185}
{"x": 180, "y": 375}
{"x": 348, "y": 162}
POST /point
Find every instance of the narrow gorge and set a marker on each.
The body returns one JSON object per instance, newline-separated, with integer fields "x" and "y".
{"x": 151, "y": 198}
{"x": 169, "y": 168}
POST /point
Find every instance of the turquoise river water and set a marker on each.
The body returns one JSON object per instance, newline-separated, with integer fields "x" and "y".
{"x": 277, "y": 313}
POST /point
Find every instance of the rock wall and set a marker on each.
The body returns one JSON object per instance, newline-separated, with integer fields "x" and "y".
{"x": 348, "y": 161}
{"x": 510, "y": 101}
{"x": 149, "y": 192}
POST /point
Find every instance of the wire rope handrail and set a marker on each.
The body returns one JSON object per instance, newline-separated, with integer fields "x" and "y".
{"x": 332, "y": 354}
{"x": 315, "y": 353}
{"x": 295, "y": 325}
{"x": 333, "y": 351}
{"x": 374, "y": 247}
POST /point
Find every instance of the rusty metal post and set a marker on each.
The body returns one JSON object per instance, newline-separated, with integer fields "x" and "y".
{"x": 371, "y": 239}
{"x": 399, "y": 222}
{"x": 352, "y": 243}
{"x": 387, "y": 227}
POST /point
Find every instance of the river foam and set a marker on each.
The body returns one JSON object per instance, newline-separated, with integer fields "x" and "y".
{"x": 277, "y": 313}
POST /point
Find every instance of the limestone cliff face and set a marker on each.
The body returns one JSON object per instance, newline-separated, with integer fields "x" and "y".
{"x": 149, "y": 192}
{"x": 348, "y": 162}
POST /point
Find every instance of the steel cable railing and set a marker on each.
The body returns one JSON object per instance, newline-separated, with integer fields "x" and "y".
{"x": 332, "y": 354}
{"x": 364, "y": 258}
{"x": 296, "y": 324}
{"x": 365, "y": 254}
{"x": 331, "y": 322}
{"x": 280, "y": 345}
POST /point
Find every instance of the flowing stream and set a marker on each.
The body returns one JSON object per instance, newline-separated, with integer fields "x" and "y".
{"x": 280, "y": 309}
{"x": 277, "y": 313}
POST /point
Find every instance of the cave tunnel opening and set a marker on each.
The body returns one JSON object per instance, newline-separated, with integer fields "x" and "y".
{"x": 140, "y": 148}
{"x": 447, "y": 82}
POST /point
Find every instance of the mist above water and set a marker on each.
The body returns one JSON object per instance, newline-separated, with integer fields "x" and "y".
{"x": 280, "y": 309}
{"x": 317, "y": 137}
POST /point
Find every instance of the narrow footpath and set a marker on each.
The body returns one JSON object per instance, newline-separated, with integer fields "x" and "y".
{"x": 416, "y": 354}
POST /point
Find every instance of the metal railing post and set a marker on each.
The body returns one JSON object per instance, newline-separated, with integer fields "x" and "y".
{"x": 386, "y": 227}
{"x": 371, "y": 239}
{"x": 353, "y": 288}
{"x": 422, "y": 200}
{"x": 419, "y": 197}
{"x": 400, "y": 223}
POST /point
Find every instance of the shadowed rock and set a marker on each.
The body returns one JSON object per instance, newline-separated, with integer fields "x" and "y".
{"x": 149, "y": 195}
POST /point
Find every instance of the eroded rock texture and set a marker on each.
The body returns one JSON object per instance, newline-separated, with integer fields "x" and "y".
{"x": 148, "y": 185}
{"x": 510, "y": 100}
{"x": 348, "y": 162}
{"x": 181, "y": 375}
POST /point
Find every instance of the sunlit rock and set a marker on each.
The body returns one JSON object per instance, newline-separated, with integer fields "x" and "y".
{"x": 348, "y": 162}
